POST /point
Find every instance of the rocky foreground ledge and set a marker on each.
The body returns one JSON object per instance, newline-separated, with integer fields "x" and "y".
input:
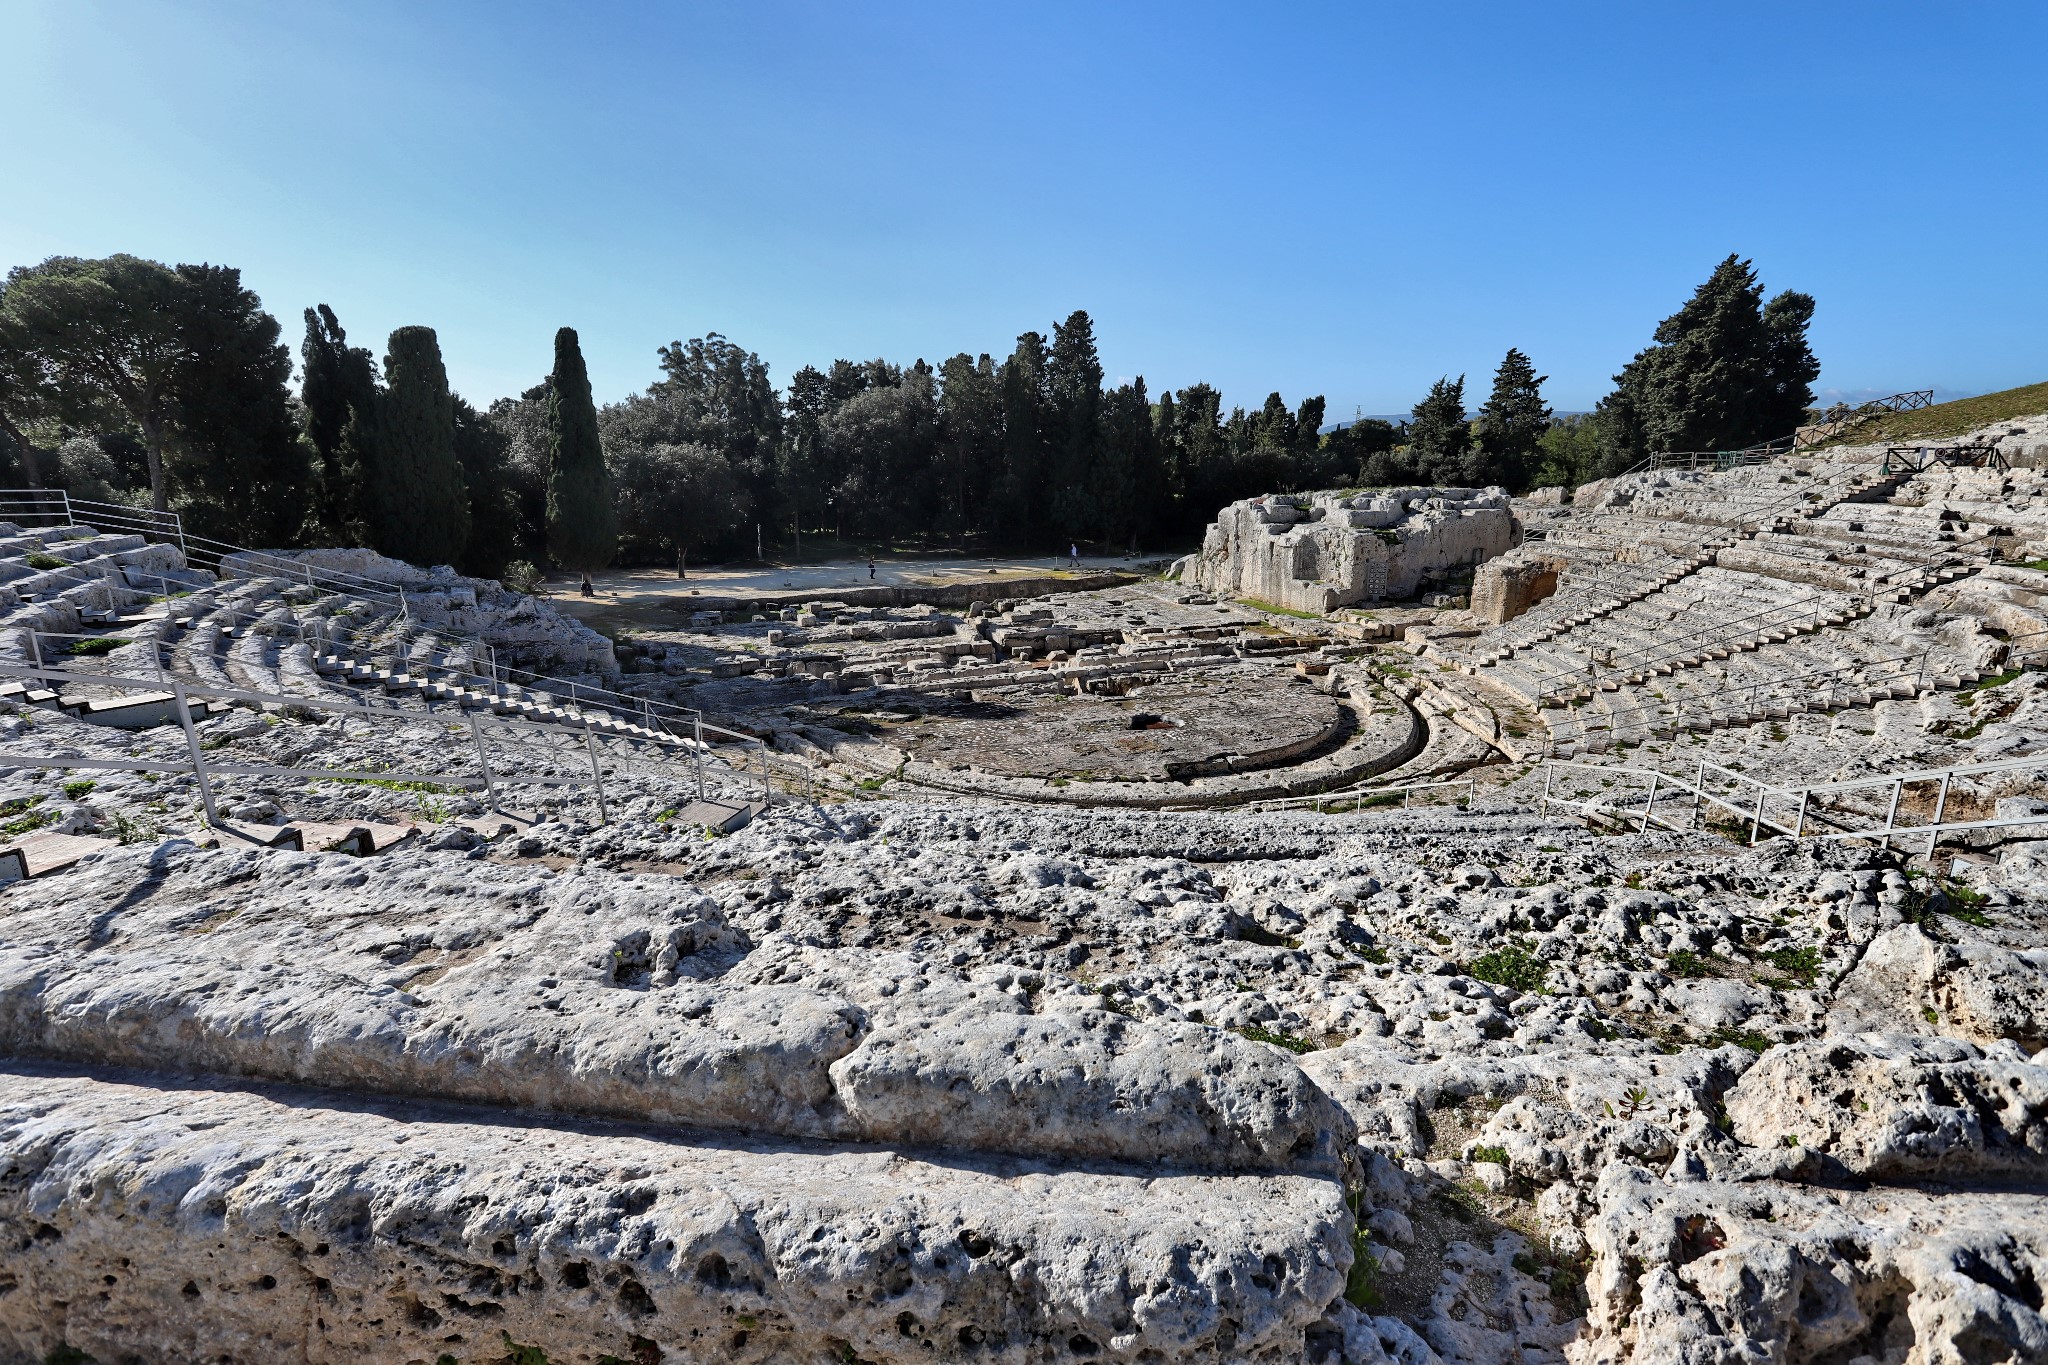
{"x": 922, "y": 1082}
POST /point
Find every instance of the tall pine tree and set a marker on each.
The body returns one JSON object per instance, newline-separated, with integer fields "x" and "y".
{"x": 235, "y": 460}
{"x": 1512, "y": 421}
{"x": 1022, "y": 491}
{"x": 1073, "y": 390}
{"x": 418, "y": 508}
{"x": 1726, "y": 371}
{"x": 583, "y": 526}
{"x": 339, "y": 390}
{"x": 1438, "y": 433}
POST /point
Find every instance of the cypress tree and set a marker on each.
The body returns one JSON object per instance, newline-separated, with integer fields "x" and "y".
{"x": 1024, "y": 439}
{"x": 583, "y": 525}
{"x": 1510, "y": 424}
{"x": 1725, "y": 371}
{"x": 1073, "y": 389}
{"x": 419, "y": 510}
{"x": 1438, "y": 432}
{"x": 339, "y": 390}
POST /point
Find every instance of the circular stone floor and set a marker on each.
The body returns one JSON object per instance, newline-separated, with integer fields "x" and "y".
{"x": 1180, "y": 728}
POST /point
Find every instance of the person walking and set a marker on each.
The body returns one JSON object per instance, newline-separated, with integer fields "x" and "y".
{"x": 871, "y": 568}
{"x": 1074, "y": 557}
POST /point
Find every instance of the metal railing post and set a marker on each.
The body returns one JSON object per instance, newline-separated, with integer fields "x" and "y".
{"x": 476, "y": 732}
{"x": 184, "y": 706}
{"x": 1756, "y": 819}
{"x": 596, "y": 773}
{"x": 1650, "y": 800}
{"x": 1891, "y": 816}
{"x": 1549, "y": 773}
{"x": 1799, "y": 824}
{"x": 697, "y": 754}
{"x": 1940, "y": 805}
{"x": 35, "y": 650}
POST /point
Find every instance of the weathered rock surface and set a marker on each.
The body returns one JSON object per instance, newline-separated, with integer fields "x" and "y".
{"x": 602, "y": 995}
{"x": 141, "y": 1221}
{"x": 1315, "y": 552}
{"x": 1709, "y": 1271}
{"x": 1882, "y": 1105}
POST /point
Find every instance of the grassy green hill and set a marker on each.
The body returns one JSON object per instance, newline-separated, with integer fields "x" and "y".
{"x": 1952, "y": 419}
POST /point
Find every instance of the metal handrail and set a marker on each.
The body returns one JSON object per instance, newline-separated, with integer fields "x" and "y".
{"x": 551, "y": 740}
{"x": 1759, "y": 820}
{"x": 170, "y": 526}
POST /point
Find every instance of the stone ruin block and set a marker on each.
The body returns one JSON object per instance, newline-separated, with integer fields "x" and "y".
{"x": 1316, "y": 552}
{"x": 1507, "y": 587}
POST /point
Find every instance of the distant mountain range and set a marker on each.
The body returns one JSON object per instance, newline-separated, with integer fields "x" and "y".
{"x": 1827, "y": 398}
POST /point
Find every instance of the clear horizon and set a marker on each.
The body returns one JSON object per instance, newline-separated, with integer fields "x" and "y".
{"x": 1330, "y": 200}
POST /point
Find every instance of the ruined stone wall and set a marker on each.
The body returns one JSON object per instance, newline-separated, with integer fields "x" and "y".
{"x": 1510, "y": 585}
{"x": 1314, "y": 552}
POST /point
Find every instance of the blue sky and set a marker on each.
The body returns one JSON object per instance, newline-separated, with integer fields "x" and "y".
{"x": 1345, "y": 199}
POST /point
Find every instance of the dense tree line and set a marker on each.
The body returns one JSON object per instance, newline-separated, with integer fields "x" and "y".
{"x": 127, "y": 380}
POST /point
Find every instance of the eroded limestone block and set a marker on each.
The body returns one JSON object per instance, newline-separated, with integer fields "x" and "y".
{"x": 1505, "y": 588}
{"x": 258, "y": 1226}
{"x": 1892, "y": 1106}
{"x": 1720, "y": 1271}
{"x": 598, "y": 994}
{"x": 1314, "y": 552}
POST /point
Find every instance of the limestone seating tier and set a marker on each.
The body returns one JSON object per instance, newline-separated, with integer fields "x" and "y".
{"x": 250, "y": 633}
{"x": 1819, "y": 672}
{"x": 619, "y": 1000}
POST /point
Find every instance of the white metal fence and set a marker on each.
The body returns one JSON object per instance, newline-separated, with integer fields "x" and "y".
{"x": 1810, "y": 811}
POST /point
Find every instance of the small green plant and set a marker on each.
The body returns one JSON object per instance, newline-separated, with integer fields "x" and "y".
{"x": 389, "y": 784}
{"x": 515, "y": 1354}
{"x": 38, "y": 560}
{"x": 520, "y": 577}
{"x": 1373, "y": 954}
{"x": 1633, "y": 1100}
{"x": 20, "y": 815}
{"x": 1802, "y": 964}
{"x": 1513, "y": 967}
{"x": 1965, "y": 903}
{"x": 1689, "y": 965}
{"x": 1361, "y": 1285}
{"x": 1742, "y": 1038}
{"x": 98, "y": 645}
{"x": 130, "y": 830}
{"x": 1498, "y": 1156}
{"x": 79, "y": 790}
{"x": 1253, "y": 1033}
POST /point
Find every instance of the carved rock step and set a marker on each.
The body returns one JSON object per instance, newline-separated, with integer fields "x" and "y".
{"x": 261, "y": 1225}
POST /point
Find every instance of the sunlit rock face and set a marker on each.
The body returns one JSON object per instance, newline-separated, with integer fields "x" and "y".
{"x": 1316, "y": 551}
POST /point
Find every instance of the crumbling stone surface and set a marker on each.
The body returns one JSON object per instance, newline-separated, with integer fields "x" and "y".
{"x": 1720, "y": 1271}
{"x": 1504, "y": 588}
{"x": 603, "y": 996}
{"x": 267, "y": 1225}
{"x": 1889, "y": 1106}
{"x": 1325, "y": 550}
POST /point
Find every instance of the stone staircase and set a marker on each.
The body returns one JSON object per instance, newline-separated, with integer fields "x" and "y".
{"x": 254, "y": 635}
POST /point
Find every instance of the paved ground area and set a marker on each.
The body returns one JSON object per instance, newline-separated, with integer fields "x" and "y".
{"x": 661, "y": 583}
